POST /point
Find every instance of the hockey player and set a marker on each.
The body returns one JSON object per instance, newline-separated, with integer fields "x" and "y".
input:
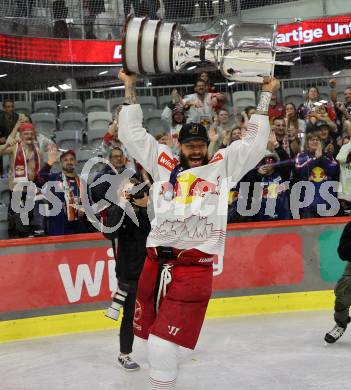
{"x": 342, "y": 290}
{"x": 190, "y": 199}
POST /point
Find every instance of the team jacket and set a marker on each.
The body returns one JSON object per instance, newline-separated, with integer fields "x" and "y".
{"x": 196, "y": 217}
{"x": 317, "y": 171}
{"x": 272, "y": 188}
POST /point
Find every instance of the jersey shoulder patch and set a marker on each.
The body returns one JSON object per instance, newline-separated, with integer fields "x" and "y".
{"x": 166, "y": 161}
{"x": 217, "y": 157}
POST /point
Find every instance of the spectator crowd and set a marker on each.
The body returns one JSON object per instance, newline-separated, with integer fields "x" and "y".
{"x": 308, "y": 143}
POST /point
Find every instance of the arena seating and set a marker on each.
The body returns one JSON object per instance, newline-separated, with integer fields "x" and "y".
{"x": 164, "y": 100}
{"x": 72, "y": 121}
{"x": 242, "y": 99}
{"x": 293, "y": 95}
{"x": 99, "y": 120}
{"x": 115, "y": 102}
{"x": 83, "y": 155}
{"x": 94, "y": 138}
{"x": 95, "y": 105}
{"x": 148, "y": 103}
{"x": 45, "y": 123}
{"x": 71, "y": 105}
{"x": 23, "y": 107}
{"x": 154, "y": 123}
{"x": 45, "y": 106}
{"x": 69, "y": 139}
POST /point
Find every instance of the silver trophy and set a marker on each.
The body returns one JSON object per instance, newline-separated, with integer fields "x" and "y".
{"x": 243, "y": 52}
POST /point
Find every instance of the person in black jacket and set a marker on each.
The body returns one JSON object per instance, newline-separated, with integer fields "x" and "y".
{"x": 342, "y": 290}
{"x": 130, "y": 253}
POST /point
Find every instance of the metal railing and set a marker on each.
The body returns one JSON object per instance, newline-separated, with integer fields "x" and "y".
{"x": 39, "y": 16}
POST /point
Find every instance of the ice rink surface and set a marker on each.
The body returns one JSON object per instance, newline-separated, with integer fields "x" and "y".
{"x": 263, "y": 352}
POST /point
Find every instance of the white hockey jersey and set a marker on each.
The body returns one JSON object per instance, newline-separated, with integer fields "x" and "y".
{"x": 196, "y": 217}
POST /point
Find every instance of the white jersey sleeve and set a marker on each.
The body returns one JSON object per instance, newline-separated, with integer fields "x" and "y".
{"x": 344, "y": 153}
{"x": 140, "y": 145}
{"x": 167, "y": 115}
{"x": 244, "y": 155}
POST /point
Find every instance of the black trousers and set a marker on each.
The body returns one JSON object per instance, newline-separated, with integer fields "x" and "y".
{"x": 126, "y": 335}
{"x": 16, "y": 228}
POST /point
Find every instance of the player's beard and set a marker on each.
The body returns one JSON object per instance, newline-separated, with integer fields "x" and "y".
{"x": 185, "y": 161}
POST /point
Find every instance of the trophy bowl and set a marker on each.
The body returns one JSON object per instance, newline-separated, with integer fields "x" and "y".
{"x": 243, "y": 52}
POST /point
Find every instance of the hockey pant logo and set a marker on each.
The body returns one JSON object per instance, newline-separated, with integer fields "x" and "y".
{"x": 172, "y": 330}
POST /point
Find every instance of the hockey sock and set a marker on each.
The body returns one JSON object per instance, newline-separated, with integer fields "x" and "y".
{"x": 163, "y": 359}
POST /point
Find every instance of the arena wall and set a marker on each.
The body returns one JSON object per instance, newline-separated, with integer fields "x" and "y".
{"x": 57, "y": 285}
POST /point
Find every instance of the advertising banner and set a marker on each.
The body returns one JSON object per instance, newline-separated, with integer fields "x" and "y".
{"x": 94, "y": 52}
{"x": 61, "y": 276}
{"x": 309, "y": 32}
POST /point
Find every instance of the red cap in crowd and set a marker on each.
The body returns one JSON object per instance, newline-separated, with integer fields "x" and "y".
{"x": 67, "y": 152}
{"x": 26, "y": 126}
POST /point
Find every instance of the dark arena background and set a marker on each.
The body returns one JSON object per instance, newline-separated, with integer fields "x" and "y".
{"x": 273, "y": 289}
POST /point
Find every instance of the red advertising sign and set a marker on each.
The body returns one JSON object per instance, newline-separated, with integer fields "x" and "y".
{"x": 88, "y": 52}
{"x": 45, "y": 279}
{"x": 315, "y": 31}
{"x": 257, "y": 261}
{"x": 60, "y": 51}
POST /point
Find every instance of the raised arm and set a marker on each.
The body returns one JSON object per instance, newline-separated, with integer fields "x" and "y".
{"x": 332, "y": 85}
{"x": 43, "y": 176}
{"x": 8, "y": 146}
{"x": 244, "y": 155}
{"x": 139, "y": 144}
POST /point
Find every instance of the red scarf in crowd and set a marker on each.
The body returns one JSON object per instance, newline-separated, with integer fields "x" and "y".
{"x": 20, "y": 163}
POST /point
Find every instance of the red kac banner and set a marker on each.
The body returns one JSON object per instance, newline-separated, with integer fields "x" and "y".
{"x": 89, "y": 52}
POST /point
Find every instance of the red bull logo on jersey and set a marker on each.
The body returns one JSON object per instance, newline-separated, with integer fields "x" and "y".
{"x": 318, "y": 175}
{"x": 189, "y": 186}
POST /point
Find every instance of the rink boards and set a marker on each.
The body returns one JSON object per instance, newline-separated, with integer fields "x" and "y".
{"x": 59, "y": 285}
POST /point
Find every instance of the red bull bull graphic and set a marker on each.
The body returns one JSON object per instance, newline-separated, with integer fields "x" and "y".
{"x": 318, "y": 175}
{"x": 273, "y": 190}
{"x": 189, "y": 186}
